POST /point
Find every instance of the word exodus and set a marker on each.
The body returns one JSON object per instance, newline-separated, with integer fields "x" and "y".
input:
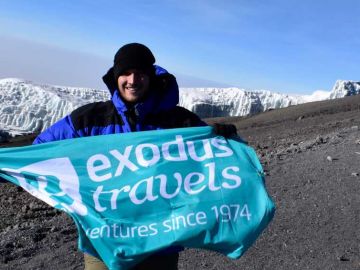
{"x": 100, "y": 167}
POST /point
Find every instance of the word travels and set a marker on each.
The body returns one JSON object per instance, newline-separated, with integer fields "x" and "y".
{"x": 144, "y": 190}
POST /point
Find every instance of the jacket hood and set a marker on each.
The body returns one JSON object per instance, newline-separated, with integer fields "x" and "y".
{"x": 163, "y": 93}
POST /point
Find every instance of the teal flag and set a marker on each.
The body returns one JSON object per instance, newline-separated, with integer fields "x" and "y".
{"x": 134, "y": 194}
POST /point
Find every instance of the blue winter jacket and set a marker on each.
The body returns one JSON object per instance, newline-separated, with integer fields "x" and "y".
{"x": 158, "y": 111}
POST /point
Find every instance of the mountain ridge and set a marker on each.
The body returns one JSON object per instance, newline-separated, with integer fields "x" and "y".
{"x": 27, "y": 107}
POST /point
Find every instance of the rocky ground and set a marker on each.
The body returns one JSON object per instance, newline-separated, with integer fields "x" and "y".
{"x": 311, "y": 155}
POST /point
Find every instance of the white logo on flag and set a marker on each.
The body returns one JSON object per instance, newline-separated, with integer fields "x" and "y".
{"x": 55, "y": 178}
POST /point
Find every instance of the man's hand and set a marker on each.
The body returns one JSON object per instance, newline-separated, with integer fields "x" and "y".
{"x": 225, "y": 130}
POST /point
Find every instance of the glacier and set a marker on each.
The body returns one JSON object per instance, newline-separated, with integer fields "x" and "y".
{"x": 223, "y": 102}
{"x": 27, "y": 107}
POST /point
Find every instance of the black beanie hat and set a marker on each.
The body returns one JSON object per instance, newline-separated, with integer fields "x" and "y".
{"x": 133, "y": 55}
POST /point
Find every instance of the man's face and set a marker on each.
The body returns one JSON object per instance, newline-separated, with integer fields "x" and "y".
{"x": 133, "y": 85}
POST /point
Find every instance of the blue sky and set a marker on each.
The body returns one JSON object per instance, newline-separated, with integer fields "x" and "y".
{"x": 287, "y": 46}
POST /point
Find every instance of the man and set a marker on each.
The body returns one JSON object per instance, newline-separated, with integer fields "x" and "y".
{"x": 144, "y": 97}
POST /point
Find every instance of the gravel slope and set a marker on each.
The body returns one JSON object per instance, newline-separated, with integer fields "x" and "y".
{"x": 311, "y": 155}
